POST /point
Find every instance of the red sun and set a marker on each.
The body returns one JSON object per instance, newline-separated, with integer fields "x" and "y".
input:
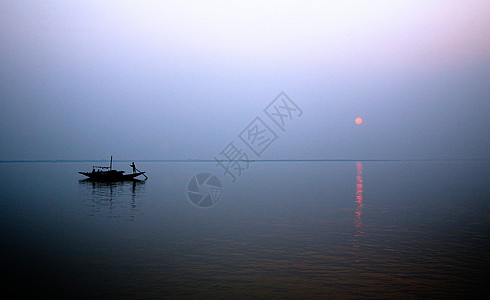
{"x": 358, "y": 121}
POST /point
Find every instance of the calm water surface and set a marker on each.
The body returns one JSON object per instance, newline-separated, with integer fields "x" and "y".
{"x": 283, "y": 229}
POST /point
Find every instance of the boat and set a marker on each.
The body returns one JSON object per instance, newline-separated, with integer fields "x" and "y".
{"x": 102, "y": 173}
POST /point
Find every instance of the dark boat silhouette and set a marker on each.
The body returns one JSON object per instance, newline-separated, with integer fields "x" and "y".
{"x": 100, "y": 173}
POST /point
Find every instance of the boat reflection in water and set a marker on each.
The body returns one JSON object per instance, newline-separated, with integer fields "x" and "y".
{"x": 118, "y": 199}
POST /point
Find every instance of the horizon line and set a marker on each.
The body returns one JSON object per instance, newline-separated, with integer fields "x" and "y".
{"x": 248, "y": 160}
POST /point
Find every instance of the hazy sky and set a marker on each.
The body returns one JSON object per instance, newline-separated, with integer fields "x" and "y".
{"x": 177, "y": 80}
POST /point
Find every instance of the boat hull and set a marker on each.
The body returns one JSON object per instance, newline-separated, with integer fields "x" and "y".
{"x": 111, "y": 175}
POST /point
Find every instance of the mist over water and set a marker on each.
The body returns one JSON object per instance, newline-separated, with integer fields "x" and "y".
{"x": 179, "y": 80}
{"x": 246, "y": 116}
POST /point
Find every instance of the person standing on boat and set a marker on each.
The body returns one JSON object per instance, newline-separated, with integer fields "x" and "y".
{"x": 133, "y": 166}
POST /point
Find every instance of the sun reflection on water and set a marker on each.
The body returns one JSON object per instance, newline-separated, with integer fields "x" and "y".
{"x": 359, "y": 201}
